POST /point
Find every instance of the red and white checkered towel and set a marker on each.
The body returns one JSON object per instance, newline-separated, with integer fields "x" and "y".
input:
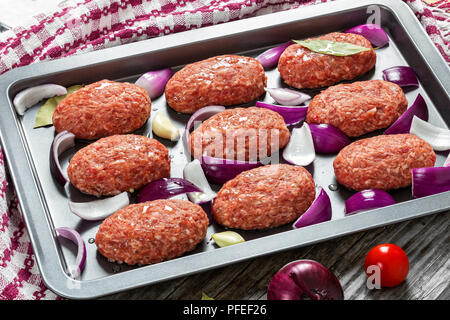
{"x": 81, "y": 26}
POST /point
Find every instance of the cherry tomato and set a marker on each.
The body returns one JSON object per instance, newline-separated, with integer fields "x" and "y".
{"x": 391, "y": 260}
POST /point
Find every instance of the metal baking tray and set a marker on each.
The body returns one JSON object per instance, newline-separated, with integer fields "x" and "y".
{"x": 44, "y": 203}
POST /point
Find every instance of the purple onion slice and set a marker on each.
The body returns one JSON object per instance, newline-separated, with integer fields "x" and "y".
{"x": 290, "y": 114}
{"x": 403, "y": 124}
{"x": 80, "y": 260}
{"x": 269, "y": 58}
{"x": 367, "y": 200}
{"x": 403, "y": 76}
{"x": 328, "y": 139}
{"x": 154, "y": 82}
{"x": 372, "y": 32}
{"x": 62, "y": 142}
{"x": 319, "y": 211}
{"x": 166, "y": 188}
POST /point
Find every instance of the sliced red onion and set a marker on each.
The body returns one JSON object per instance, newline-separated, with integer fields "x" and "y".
{"x": 220, "y": 171}
{"x": 403, "y": 76}
{"x": 290, "y": 114}
{"x": 154, "y": 82}
{"x": 304, "y": 279}
{"x": 29, "y": 97}
{"x": 75, "y": 237}
{"x": 367, "y": 200}
{"x": 428, "y": 181}
{"x": 166, "y": 188}
{"x": 319, "y": 211}
{"x": 300, "y": 148}
{"x": 372, "y": 32}
{"x": 62, "y": 142}
{"x": 193, "y": 172}
{"x": 99, "y": 209}
{"x": 403, "y": 124}
{"x": 288, "y": 97}
{"x": 438, "y": 138}
{"x": 328, "y": 139}
{"x": 199, "y": 116}
{"x": 269, "y": 58}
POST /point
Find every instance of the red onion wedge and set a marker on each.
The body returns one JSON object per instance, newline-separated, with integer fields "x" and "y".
{"x": 403, "y": 124}
{"x": 372, "y": 32}
{"x": 328, "y": 139}
{"x": 80, "y": 260}
{"x": 99, "y": 209}
{"x": 428, "y": 181}
{"x": 166, "y": 188}
{"x": 300, "y": 148}
{"x": 62, "y": 142}
{"x": 404, "y": 76}
{"x": 438, "y": 138}
{"x": 290, "y": 114}
{"x": 367, "y": 200}
{"x": 288, "y": 97}
{"x": 269, "y": 58}
{"x": 199, "y": 116}
{"x": 29, "y": 97}
{"x": 304, "y": 280}
{"x": 154, "y": 82}
{"x": 319, "y": 211}
{"x": 193, "y": 172}
{"x": 220, "y": 171}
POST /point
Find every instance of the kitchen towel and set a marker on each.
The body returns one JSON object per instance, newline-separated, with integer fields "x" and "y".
{"x": 75, "y": 27}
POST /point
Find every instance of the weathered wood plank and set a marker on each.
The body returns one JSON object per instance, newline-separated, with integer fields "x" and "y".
{"x": 425, "y": 240}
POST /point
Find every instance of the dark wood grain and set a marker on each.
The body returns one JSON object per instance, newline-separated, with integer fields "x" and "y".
{"x": 426, "y": 241}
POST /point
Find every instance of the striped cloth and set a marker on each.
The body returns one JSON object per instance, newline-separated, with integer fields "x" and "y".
{"x": 82, "y": 26}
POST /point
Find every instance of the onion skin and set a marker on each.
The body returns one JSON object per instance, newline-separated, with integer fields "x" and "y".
{"x": 438, "y": 138}
{"x": 372, "y": 32}
{"x": 328, "y": 139}
{"x": 403, "y": 76}
{"x": 304, "y": 278}
{"x": 269, "y": 58}
{"x": 166, "y": 188}
{"x": 319, "y": 211}
{"x": 62, "y": 142}
{"x": 193, "y": 173}
{"x": 75, "y": 237}
{"x": 367, "y": 200}
{"x": 403, "y": 124}
{"x": 429, "y": 181}
{"x": 220, "y": 171}
{"x": 290, "y": 114}
{"x": 154, "y": 82}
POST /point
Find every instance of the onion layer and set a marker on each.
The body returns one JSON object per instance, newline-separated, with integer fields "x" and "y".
{"x": 300, "y": 148}
{"x": 290, "y": 114}
{"x": 62, "y": 142}
{"x": 319, "y": 211}
{"x": 199, "y": 116}
{"x": 220, "y": 171}
{"x": 328, "y": 139}
{"x": 80, "y": 260}
{"x": 367, "y": 200}
{"x": 429, "y": 181}
{"x": 401, "y": 75}
{"x": 166, "y": 188}
{"x": 193, "y": 172}
{"x": 288, "y": 97}
{"x": 403, "y": 124}
{"x": 372, "y": 32}
{"x": 438, "y": 138}
{"x": 99, "y": 209}
{"x": 29, "y": 97}
{"x": 304, "y": 279}
{"x": 154, "y": 82}
{"x": 269, "y": 58}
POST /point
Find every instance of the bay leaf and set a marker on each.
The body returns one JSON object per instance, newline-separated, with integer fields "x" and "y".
{"x": 332, "y": 47}
{"x": 45, "y": 112}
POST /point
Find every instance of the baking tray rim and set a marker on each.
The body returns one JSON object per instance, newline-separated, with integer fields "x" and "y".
{"x": 48, "y": 259}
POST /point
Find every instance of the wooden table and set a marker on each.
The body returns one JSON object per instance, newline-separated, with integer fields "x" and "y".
{"x": 426, "y": 241}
